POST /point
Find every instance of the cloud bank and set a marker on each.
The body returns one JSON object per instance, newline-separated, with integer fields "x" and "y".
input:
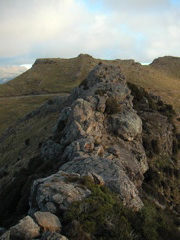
{"x": 138, "y": 29}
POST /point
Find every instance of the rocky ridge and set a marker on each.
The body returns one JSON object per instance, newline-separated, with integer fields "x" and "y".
{"x": 99, "y": 134}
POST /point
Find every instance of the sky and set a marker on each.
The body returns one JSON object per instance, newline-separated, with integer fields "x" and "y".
{"x": 108, "y": 29}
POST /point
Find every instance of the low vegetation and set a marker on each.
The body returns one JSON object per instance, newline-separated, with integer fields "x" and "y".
{"x": 103, "y": 216}
{"x": 61, "y": 75}
{"x": 13, "y": 108}
{"x": 20, "y": 161}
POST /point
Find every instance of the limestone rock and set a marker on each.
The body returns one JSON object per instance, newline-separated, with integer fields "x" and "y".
{"x": 61, "y": 123}
{"x": 56, "y": 193}
{"x": 78, "y": 148}
{"x": 74, "y": 132}
{"x": 101, "y": 136}
{"x": 47, "y": 221}
{"x": 5, "y": 236}
{"x": 102, "y": 74}
{"x": 26, "y": 229}
{"x": 112, "y": 173}
{"x": 53, "y": 236}
{"x": 51, "y": 151}
{"x": 157, "y": 134}
{"x": 101, "y": 104}
{"x": 125, "y": 124}
{"x": 97, "y": 179}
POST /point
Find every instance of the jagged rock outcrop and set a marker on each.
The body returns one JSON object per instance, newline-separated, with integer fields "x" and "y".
{"x": 47, "y": 221}
{"x": 98, "y": 134}
{"x": 55, "y": 193}
{"x": 43, "y": 225}
{"x": 25, "y": 229}
{"x": 160, "y": 133}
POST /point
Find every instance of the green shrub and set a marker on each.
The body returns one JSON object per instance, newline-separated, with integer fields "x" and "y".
{"x": 102, "y": 216}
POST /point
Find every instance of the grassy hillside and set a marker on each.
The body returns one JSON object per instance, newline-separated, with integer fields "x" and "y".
{"x": 49, "y": 76}
{"x": 15, "y": 107}
{"x": 56, "y": 75}
{"x": 162, "y": 77}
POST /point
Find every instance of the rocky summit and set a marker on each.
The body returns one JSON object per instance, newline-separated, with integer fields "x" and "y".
{"x": 105, "y": 134}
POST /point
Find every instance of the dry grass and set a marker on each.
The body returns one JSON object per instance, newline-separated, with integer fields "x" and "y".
{"x": 13, "y": 108}
{"x": 15, "y": 151}
{"x": 60, "y": 76}
{"x": 162, "y": 77}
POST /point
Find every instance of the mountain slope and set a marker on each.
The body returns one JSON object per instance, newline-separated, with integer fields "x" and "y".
{"x": 61, "y": 75}
{"x": 162, "y": 78}
{"x": 71, "y": 148}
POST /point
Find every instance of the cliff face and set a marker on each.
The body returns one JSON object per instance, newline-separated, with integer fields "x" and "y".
{"x": 98, "y": 134}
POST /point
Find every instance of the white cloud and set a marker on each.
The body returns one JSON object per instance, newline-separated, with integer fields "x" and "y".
{"x": 139, "y": 29}
{"x": 133, "y": 5}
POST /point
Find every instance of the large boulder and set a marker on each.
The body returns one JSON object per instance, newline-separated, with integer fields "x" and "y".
{"x": 55, "y": 193}
{"x": 51, "y": 151}
{"x": 126, "y": 125}
{"x": 25, "y": 229}
{"x": 111, "y": 170}
{"x": 47, "y": 221}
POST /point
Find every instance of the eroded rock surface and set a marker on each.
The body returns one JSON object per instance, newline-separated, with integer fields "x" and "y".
{"x": 47, "y": 221}
{"x": 25, "y": 229}
{"x": 98, "y": 134}
{"x": 101, "y": 133}
{"x": 55, "y": 193}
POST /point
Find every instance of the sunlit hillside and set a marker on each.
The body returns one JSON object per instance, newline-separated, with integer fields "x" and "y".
{"x": 56, "y": 75}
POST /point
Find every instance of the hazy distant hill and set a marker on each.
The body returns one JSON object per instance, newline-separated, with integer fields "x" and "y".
{"x": 4, "y": 80}
{"x": 7, "y": 73}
